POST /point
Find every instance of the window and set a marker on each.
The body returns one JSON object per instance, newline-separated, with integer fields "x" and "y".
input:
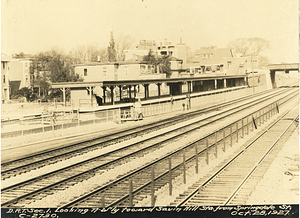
{"x": 104, "y": 71}
{"x": 126, "y": 70}
{"x": 143, "y": 69}
{"x": 151, "y": 69}
{"x": 3, "y": 65}
{"x": 85, "y": 72}
{"x": 3, "y": 78}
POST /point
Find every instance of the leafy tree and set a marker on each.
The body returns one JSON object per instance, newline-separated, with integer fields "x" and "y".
{"x": 151, "y": 58}
{"x": 20, "y": 55}
{"x": 38, "y": 67}
{"x": 24, "y": 92}
{"x": 52, "y": 66}
{"x": 162, "y": 62}
{"x": 111, "y": 51}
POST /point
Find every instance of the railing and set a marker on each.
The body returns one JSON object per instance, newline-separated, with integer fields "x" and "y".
{"x": 63, "y": 120}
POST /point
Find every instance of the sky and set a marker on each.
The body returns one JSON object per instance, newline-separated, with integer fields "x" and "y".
{"x": 33, "y": 26}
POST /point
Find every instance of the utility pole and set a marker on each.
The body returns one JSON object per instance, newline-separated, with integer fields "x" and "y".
{"x": 252, "y": 73}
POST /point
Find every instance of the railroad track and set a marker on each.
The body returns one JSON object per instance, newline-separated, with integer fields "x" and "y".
{"x": 139, "y": 184}
{"x": 233, "y": 183}
{"x": 26, "y": 164}
{"x": 14, "y": 196}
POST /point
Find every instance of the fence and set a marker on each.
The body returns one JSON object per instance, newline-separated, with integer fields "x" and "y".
{"x": 55, "y": 120}
{"x": 207, "y": 147}
{"x": 65, "y": 119}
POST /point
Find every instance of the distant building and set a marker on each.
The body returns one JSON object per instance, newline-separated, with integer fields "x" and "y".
{"x": 5, "y": 71}
{"x": 161, "y": 48}
{"x": 220, "y": 61}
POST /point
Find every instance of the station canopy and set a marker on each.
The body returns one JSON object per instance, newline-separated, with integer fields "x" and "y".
{"x": 143, "y": 81}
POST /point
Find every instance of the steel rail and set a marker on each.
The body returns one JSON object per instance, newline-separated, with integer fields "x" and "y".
{"x": 74, "y": 202}
{"x": 196, "y": 190}
{"x": 93, "y": 145}
{"x": 59, "y": 182}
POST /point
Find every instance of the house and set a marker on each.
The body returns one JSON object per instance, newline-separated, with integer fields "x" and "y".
{"x": 134, "y": 69}
{"x": 20, "y": 73}
{"x": 5, "y": 74}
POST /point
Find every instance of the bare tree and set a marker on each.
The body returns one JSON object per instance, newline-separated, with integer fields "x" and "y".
{"x": 249, "y": 46}
{"x": 240, "y": 46}
{"x": 257, "y": 45}
{"x": 88, "y": 53}
{"x": 123, "y": 42}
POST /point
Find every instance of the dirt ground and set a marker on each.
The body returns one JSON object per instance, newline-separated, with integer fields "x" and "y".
{"x": 280, "y": 184}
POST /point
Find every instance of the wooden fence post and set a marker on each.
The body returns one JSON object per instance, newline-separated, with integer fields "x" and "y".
{"x": 130, "y": 193}
{"x": 152, "y": 187}
{"x": 170, "y": 177}
{"x": 207, "y": 155}
{"x": 196, "y": 158}
{"x": 184, "y": 168}
{"x": 216, "y": 145}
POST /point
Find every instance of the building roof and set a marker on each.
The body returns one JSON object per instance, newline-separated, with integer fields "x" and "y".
{"x": 131, "y": 61}
{"x": 175, "y": 59}
{"x": 284, "y": 66}
{"x": 208, "y": 62}
{"x": 5, "y": 57}
{"x": 218, "y": 53}
{"x": 142, "y": 81}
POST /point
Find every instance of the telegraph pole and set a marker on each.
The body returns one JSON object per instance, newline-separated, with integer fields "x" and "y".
{"x": 252, "y": 73}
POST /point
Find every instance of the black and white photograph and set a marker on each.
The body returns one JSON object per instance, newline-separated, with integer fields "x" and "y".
{"x": 149, "y": 108}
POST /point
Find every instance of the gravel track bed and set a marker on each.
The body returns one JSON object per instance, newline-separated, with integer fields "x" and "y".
{"x": 280, "y": 184}
{"x": 98, "y": 180}
{"x": 163, "y": 197}
{"x": 62, "y": 164}
{"x": 91, "y": 184}
{"x": 290, "y": 188}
